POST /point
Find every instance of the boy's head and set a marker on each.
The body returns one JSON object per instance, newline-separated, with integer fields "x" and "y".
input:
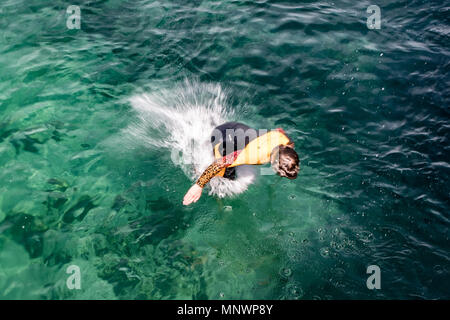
{"x": 285, "y": 161}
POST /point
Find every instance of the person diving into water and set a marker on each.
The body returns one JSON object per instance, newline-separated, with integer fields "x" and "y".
{"x": 236, "y": 144}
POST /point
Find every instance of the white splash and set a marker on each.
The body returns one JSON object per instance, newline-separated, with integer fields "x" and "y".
{"x": 182, "y": 120}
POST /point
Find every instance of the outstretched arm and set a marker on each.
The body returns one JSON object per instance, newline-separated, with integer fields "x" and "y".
{"x": 210, "y": 172}
{"x": 195, "y": 191}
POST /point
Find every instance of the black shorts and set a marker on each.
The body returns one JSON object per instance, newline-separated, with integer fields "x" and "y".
{"x": 229, "y": 142}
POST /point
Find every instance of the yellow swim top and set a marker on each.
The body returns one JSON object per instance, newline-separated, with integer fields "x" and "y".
{"x": 258, "y": 150}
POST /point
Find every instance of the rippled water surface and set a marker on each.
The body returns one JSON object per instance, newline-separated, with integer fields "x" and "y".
{"x": 368, "y": 111}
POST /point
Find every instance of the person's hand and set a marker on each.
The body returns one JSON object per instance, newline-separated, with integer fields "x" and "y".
{"x": 193, "y": 194}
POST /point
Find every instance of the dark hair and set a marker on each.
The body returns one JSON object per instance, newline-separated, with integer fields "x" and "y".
{"x": 285, "y": 162}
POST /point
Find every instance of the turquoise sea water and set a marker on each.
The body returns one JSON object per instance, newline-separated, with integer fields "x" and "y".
{"x": 368, "y": 111}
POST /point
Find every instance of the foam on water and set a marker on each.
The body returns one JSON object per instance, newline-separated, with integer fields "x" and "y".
{"x": 181, "y": 120}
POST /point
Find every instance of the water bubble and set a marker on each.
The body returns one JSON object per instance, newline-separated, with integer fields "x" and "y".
{"x": 294, "y": 291}
{"x": 324, "y": 252}
{"x": 285, "y": 272}
{"x": 438, "y": 269}
{"x": 227, "y": 208}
